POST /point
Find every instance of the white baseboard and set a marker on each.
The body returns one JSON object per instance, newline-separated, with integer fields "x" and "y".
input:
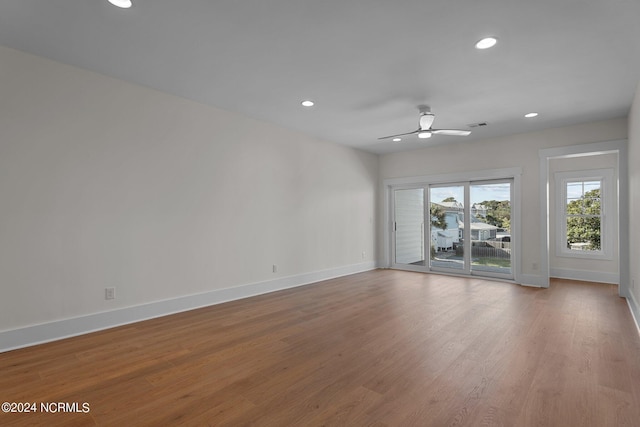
{"x": 587, "y": 276}
{"x": 60, "y": 329}
{"x": 635, "y": 310}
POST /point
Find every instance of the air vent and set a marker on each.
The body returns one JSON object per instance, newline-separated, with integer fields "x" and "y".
{"x": 477, "y": 125}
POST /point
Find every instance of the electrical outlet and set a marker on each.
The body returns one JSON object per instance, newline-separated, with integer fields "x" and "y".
{"x": 275, "y": 268}
{"x": 534, "y": 266}
{"x": 109, "y": 293}
{"x": 364, "y": 254}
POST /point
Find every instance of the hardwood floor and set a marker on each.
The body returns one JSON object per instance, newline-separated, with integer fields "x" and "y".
{"x": 382, "y": 348}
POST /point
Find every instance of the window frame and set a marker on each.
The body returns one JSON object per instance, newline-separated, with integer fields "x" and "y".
{"x": 606, "y": 178}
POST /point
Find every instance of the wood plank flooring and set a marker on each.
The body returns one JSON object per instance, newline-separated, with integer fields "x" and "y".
{"x": 382, "y": 348}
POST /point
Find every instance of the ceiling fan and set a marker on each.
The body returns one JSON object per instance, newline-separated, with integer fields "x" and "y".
{"x": 425, "y": 130}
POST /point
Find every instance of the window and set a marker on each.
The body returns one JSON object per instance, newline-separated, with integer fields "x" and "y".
{"x": 583, "y": 215}
{"x": 583, "y": 227}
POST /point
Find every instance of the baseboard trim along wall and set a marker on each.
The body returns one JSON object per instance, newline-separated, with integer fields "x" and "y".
{"x": 635, "y": 311}
{"x": 52, "y": 331}
{"x": 587, "y": 276}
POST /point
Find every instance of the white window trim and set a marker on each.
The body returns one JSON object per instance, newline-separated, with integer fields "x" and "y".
{"x": 606, "y": 212}
{"x": 621, "y": 187}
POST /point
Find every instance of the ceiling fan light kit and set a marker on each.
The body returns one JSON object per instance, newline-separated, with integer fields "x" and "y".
{"x": 124, "y": 4}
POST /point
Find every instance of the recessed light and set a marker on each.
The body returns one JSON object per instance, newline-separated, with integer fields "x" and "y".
{"x": 307, "y": 103}
{"x": 125, "y": 4}
{"x": 397, "y": 139}
{"x": 424, "y": 135}
{"x": 530, "y": 115}
{"x": 486, "y": 43}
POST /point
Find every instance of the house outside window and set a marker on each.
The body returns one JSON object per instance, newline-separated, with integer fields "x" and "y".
{"x": 583, "y": 220}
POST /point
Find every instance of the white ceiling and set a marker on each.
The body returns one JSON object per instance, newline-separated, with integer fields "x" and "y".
{"x": 368, "y": 64}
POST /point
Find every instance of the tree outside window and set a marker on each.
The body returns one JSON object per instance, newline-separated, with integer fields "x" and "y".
{"x": 584, "y": 216}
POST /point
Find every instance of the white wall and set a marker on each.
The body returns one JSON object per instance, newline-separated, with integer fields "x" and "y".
{"x": 505, "y": 152}
{"x": 108, "y": 184}
{"x": 577, "y": 268}
{"x": 634, "y": 200}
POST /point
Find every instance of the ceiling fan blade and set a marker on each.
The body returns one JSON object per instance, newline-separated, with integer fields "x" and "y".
{"x": 452, "y": 132}
{"x": 401, "y": 134}
{"x": 426, "y": 120}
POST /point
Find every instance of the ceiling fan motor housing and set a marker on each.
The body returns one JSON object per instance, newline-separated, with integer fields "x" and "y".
{"x": 426, "y": 120}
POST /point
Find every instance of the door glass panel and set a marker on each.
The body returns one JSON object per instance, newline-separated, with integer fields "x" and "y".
{"x": 490, "y": 225}
{"x": 447, "y": 226}
{"x": 409, "y": 223}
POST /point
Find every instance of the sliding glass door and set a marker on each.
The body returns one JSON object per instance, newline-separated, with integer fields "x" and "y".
{"x": 461, "y": 228}
{"x": 490, "y": 226}
{"x": 446, "y": 210}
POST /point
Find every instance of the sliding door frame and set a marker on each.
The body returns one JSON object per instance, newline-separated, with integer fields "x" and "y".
{"x": 425, "y": 181}
{"x": 393, "y": 255}
{"x": 466, "y": 236}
